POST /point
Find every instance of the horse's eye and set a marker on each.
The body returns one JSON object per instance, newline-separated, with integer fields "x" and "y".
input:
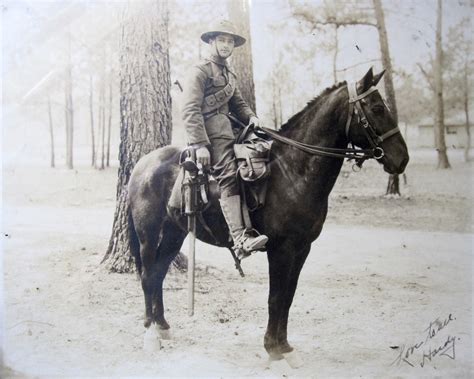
{"x": 378, "y": 109}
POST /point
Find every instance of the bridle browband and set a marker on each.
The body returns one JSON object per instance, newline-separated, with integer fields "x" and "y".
{"x": 359, "y": 155}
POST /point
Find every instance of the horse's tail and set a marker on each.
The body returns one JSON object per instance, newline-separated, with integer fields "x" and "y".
{"x": 134, "y": 243}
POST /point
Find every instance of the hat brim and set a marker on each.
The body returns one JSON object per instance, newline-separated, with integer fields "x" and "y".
{"x": 238, "y": 40}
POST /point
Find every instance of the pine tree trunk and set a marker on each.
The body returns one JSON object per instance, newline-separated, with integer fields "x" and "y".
{"x": 242, "y": 57}
{"x": 145, "y": 108}
{"x": 51, "y": 132}
{"x": 91, "y": 106}
{"x": 440, "y": 142}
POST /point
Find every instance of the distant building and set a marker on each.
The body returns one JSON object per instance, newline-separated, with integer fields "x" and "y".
{"x": 456, "y": 135}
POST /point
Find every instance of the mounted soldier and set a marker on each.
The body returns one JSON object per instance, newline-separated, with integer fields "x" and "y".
{"x": 211, "y": 101}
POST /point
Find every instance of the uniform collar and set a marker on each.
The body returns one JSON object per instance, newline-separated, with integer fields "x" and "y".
{"x": 220, "y": 61}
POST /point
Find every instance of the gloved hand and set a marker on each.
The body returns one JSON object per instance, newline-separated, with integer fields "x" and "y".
{"x": 203, "y": 156}
{"x": 255, "y": 121}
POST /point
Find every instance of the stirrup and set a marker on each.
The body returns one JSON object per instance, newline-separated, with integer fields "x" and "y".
{"x": 247, "y": 244}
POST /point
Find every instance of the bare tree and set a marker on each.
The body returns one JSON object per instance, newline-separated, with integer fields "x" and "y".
{"x": 145, "y": 108}
{"x": 355, "y": 14}
{"x": 335, "y": 14}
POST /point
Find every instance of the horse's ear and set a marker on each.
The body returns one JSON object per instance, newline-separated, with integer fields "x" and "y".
{"x": 367, "y": 80}
{"x": 377, "y": 78}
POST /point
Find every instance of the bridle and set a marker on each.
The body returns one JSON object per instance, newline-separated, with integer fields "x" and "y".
{"x": 359, "y": 155}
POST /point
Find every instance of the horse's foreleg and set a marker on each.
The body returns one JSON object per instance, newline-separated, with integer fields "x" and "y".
{"x": 285, "y": 268}
{"x": 289, "y": 354}
{"x": 294, "y": 274}
{"x": 279, "y": 269}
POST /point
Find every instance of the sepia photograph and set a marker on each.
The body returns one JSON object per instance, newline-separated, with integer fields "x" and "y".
{"x": 237, "y": 188}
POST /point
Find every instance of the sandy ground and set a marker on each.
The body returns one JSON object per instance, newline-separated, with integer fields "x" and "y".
{"x": 384, "y": 274}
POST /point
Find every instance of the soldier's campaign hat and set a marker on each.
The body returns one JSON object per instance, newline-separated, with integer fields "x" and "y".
{"x": 220, "y": 27}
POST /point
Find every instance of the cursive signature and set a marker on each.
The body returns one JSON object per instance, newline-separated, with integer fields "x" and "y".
{"x": 408, "y": 354}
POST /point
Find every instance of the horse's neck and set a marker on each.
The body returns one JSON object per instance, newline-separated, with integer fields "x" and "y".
{"x": 315, "y": 174}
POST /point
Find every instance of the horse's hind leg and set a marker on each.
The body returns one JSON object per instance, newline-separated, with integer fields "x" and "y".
{"x": 148, "y": 237}
{"x": 171, "y": 241}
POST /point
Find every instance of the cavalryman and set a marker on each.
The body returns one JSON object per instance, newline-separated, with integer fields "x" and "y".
{"x": 209, "y": 95}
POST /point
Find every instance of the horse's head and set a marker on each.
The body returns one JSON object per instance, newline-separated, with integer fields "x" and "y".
{"x": 372, "y": 125}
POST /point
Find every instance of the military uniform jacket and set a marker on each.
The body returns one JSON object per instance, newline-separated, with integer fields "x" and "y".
{"x": 209, "y": 92}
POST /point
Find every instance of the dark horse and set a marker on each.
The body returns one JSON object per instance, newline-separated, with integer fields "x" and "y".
{"x": 296, "y": 203}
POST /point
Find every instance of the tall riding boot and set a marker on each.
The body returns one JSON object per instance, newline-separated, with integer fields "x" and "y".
{"x": 244, "y": 242}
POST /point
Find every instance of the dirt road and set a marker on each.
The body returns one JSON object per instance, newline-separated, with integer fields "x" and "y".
{"x": 380, "y": 299}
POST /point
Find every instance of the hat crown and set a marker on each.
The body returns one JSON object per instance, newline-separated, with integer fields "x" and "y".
{"x": 223, "y": 27}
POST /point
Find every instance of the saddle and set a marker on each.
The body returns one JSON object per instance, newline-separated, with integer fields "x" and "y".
{"x": 252, "y": 152}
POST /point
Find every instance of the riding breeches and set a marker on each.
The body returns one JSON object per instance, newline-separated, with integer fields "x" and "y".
{"x": 223, "y": 161}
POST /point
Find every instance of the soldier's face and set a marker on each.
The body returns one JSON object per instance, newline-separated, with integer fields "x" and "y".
{"x": 224, "y": 45}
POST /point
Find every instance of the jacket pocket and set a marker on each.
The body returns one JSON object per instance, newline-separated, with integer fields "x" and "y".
{"x": 210, "y": 100}
{"x": 220, "y": 96}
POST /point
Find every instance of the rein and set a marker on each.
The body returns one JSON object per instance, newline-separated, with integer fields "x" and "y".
{"x": 360, "y": 155}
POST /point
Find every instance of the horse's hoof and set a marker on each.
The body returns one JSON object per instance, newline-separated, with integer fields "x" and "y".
{"x": 164, "y": 334}
{"x": 151, "y": 340}
{"x": 274, "y": 356}
{"x": 280, "y": 367}
{"x": 293, "y": 359}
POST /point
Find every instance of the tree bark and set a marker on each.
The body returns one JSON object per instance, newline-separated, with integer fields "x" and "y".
{"x": 386, "y": 59}
{"x": 242, "y": 57}
{"x": 145, "y": 108}
{"x": 51, "y": 132}
{"x": 440, "y": 142}
{"x": 91, "y": 106}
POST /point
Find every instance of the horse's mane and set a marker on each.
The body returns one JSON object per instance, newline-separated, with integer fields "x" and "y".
{"x": 314, "y": 103}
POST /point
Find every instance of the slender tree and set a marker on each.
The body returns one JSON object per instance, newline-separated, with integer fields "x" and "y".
{"x": 458, "y": 65}
{"x": 145, "y": 108}
{"x": 353, "y": 15}
{"x": 69, "y": 109}
{"x": 393, "y": 185}
{"x": 439, "y": 127}
{"x": 109, "y": 126}
{"x": 91, "y": 111}
{"x": 51, "y": 132}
